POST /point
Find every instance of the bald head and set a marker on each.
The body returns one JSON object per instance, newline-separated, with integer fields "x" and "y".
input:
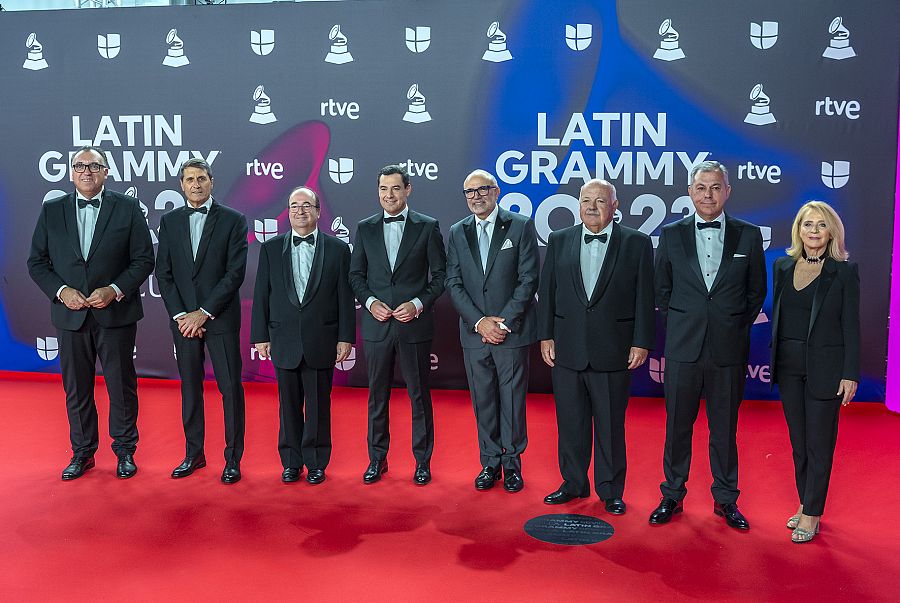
{"x": 597, "y": 204}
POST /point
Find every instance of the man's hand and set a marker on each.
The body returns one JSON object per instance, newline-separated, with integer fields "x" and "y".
{"x": 490, "y": 330}
{"x": 405, "y": 312}
{"x": 343, "y": 350}
{"x": 73, "y": 299}
{"x": 548, "y": 351}
{"x": 380, "y": 311}
{"x": 847, "y": 389}
{"x": 191, "y": 324}
{"x": 102, "y": 297}
{"x": 263, "y": 349}
{"x": 637, "y": 357}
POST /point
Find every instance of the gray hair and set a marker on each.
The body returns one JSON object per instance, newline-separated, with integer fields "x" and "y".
{"x": 709, "y": 166}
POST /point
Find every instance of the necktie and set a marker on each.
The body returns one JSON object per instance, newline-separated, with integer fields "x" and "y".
{"x": 599, "y": 237}
{"x": 714, "y": 224}
{"x": 197, "y": 210}
{"x": 307, "y": 239}
{"x": 393, "y": 219}
{"x": 484, "y": 243}
{"x": 82, "y": 203}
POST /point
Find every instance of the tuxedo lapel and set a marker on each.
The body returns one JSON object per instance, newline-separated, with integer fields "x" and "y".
{"x": 182, "y": 233}
{"x": 826, "y": 277}
{"x": 779, "y": 281}
{"x": 689, "y": 243}
{"x": 472, "y": 239}
{"x": 376, "y": 228}
{"x": 209, "y": 226}
{"x": 573, "y": 248}
{"x": 410, "y": 234}
{"x": 501, "y": 229}
{"x": 732, "y": 236}
{"x": 70, "y": 218}
{"x": 609, "y": 264}
{"x": 315, "y": 271}
{"x": 287, "y": 269}
{"x": 106, "y": 210}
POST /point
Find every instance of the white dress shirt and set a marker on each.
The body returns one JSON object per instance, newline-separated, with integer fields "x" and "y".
{"x": 301, "y": 261}
{"x": 710, "y": 244}
{"x": 592, "y": 256}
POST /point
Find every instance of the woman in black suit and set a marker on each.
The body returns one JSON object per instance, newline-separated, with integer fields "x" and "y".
{"x": 815, "y": 351}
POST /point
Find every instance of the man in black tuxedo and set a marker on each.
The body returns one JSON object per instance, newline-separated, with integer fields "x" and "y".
{"x": 200, "y": 265}
{"x": 492, "y": 276}
{"x": 90, "y": 253}
{"x": 710, "y": 286}
{"x": 304, "y": 319}
{"x": 397, "y": 271}
{"x": 596, "y": 324}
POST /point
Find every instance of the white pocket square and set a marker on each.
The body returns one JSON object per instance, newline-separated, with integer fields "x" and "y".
{"x": 740, "y": 255}
{"x": 507, "y": 244}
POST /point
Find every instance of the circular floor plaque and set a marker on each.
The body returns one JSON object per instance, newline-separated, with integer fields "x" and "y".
{"x": 568, "y": 529}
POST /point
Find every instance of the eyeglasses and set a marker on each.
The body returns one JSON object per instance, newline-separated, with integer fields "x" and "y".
{"x": 304, "y": 207}
{"x": 481, "y": 191}
{"x": 92, "y": 167}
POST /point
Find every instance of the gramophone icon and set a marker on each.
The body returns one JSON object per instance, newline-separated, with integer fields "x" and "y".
{"x": 262, "y": 112}
{"x": 497, "y": 51}
{"x": 668, "y": 47}
{"x": 416, "y": 112}
{"x": 35, "y": 59}
{"x": 839, "y": 46}
{"x": 759, "y": 114}
{"x": 175, "y": 56}
{"x": 339, "y": 52}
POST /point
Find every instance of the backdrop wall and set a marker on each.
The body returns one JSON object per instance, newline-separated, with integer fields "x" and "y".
{"x": 799, "y": 99}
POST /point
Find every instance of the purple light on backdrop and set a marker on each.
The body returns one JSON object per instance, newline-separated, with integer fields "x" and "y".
{"x": 892, "y": 387}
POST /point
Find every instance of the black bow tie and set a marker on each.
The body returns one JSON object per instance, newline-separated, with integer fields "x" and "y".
{"x": 597, "y": 237}
{"x": 393, "y": 219}
{"x": 714, "y": 224}
{"x": 307, "y": 239}
{"x": 197, "y": 210}
{"x": 82, "y": 203}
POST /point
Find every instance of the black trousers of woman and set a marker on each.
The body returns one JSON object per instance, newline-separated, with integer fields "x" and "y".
{"x": 812, "y": 425}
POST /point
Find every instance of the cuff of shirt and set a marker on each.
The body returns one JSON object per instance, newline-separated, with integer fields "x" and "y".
{"x": 210, "y": 316}
{"x": 60, "y": 290}
{"x": 119, "y": 295}
{"x": 478, "y": 323}
{"x": 418, "y": 304}
{"x": 372, "y": 299}
{"x": 179, "y": 315}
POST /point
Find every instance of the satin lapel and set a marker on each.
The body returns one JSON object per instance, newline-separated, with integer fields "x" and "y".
{"x": 826, "y": 277}
{"x": 106, "y": 210}
{"x": 287, "y": 271}
{"x": 501, "y": 229}
{"x": 182, "y": 229}
{"x": 471, "y": 235}
{"x": 609, "y": 264}
{"x": 70, "y": 217}
{"x": 780, "y": 279}
{"x": 315, "y": 271}
{"x": 689, "y": 243}
{"x": 377, "y": 233}
{"x": 208, "y": 227}
{"x": 573, "y": 248}
{"x": 410, "y": 234}
{"x": 732, "y": 236}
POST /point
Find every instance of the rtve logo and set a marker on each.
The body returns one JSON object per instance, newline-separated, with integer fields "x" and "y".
{"x": 333, "y": 108}
{"x": 764, "y": 35}
{"x": 262, "y": 41}
{"x": 832, "y": 107}
{"x": 418, "y": 39}
{"x": 265, "y": 229}
{"x": 261, "y": 168}
{"x": 428, "y": 170}
{"x": 835, "y": 174}
{"x": 579, "y": 36}
{"x": 108, "y": 45}
{"x": 47, "y": 348}
{"x": 758, "y": 171}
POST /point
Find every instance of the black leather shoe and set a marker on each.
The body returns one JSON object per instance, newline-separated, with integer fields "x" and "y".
{"x": 561, "y": 497}
{"x": 422, "y": 475}
{"x": 663, "y": 513}
{"x": 374, "y": 471}
{"x": 189, "y": 465}
{"x": 76, "y": 467}
{"x": 315, "y": 476}
{"x": 232, "y": 473}
{"x": 615, "y": 506}
{"x": 513, "y": 481}
{"x": 485, "y": 480}
{"x": 733, "y": 517}
{"x": 290, "y": 475}
{"x": 126, "y": 467}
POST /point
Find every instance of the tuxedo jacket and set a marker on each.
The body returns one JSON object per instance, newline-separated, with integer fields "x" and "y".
{"x": 121, "y": 253}
{"x": 505, "y": 288}
{"x": 307, "y": 329}
{"x": 832, "y": 349}
{"x": 211, "y": 281}
{"x": 420, "y": 271}
{"x": 727, "y": 310}
{"x": 599, "y": 328}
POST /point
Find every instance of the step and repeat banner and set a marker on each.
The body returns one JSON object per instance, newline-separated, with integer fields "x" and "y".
{"x": 799, "y": 99}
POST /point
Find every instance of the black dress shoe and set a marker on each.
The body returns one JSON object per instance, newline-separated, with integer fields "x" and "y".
{"x": 232, "y": 473}
{"x": 290, "y": 475}
{"x": 126, "y": 467}
{"x": 422, "y": 475}
{"x": 189, "y": 465}
{"x": 315, "y": 476}
{"x": 615, "y": 506}
{"x": 374, "y": 471}
{"x": 485, "y": 480}
{"x": 513, "y": 481}
{"x": 733, "y": 517}
{"x": 561, "y": 497}
{"x": 663, "y": 513}
{"x": 76, "y": 467}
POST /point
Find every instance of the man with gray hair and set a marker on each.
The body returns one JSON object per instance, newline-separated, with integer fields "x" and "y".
{"x": 710, "y": 286}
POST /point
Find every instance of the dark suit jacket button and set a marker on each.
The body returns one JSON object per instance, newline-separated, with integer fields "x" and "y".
{"x": 709, "y": 297}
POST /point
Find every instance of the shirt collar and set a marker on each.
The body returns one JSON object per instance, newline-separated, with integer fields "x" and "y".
{"x": 492, "y": 218}
{"x": 721, "y": 218}
{"x": 99, "y": 195}
{"x": 207, "y": 204}
{"x": 314, "y": 233}
{"x": 607, "y": 230}
{"x": 404, "y": 213}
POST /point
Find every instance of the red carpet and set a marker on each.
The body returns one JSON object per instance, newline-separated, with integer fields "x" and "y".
{"x": 152, "y": 538}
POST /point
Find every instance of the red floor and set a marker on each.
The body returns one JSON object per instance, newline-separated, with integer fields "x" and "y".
{"x": 152, "y": 538}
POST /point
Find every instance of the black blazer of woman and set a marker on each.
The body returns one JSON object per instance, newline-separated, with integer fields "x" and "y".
{"x": 832, "y": 351}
